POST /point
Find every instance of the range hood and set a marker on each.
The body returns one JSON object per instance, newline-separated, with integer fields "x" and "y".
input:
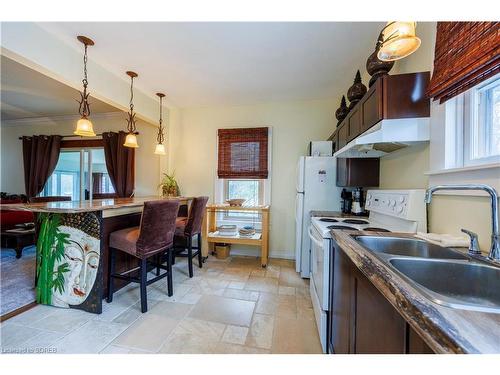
{"x": 387, "y": 136}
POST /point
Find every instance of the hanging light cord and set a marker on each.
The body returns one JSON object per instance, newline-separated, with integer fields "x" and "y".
{"x": 131, "y": 116}
{"x": 84, "y": 109}
{"x": 159, "y": 138}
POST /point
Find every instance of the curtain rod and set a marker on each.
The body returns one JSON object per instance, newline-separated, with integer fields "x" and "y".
{"x": 73, "y": 136}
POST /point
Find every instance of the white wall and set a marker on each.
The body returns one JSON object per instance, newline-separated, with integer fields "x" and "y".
{"x": 293, "y": 124}
{"x": 148, "y": 166}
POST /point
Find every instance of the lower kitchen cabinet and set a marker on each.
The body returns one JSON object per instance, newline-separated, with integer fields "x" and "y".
{"x": 378, "y": 327}
{"x": 361, "y": 319}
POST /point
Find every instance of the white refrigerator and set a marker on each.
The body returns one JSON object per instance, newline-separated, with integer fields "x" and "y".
{"x": 316, "y": 190}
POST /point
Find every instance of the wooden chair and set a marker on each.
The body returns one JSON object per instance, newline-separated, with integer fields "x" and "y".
{"x": 151, "y": 239}
{"x": 186, "y": 229}
{"x": 53, "y": 198}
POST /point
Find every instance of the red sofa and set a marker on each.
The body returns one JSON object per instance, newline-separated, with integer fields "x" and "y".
{"x": 9, "y": 219}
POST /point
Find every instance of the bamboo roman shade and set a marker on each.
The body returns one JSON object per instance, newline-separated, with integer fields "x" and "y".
{"x": 243, "y": 153}
{"x": 466, "y": 54}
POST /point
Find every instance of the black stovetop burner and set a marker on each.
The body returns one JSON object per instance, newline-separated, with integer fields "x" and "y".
{"x": 355, "y": 221}
{"x": 341, "y": 227}
{"x": 328, "y": 220}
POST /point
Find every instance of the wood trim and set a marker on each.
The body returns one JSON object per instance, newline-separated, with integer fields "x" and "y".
{"x": 82, "y": 143}
{"x": 18, "y": 311}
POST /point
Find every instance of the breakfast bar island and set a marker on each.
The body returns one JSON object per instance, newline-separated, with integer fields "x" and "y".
{"x": 72, "y": 247}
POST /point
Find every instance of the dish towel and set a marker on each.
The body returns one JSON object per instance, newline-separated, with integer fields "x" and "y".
{"x": 445, "y": 240}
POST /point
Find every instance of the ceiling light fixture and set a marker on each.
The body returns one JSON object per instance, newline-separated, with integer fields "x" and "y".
{"x": 397, "y": 40}
{"x": 160, "y": 147}
{"x": 131, "y": 139}
{"x": 84, "y": 126}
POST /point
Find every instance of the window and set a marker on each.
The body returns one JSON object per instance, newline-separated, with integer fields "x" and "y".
{"x": 484, "y": 132}
{"x": 472, "y": 127}
{"x": 251, "y": 190}
{"x": 243, "y": 168}
{"x": 71, "y": 177}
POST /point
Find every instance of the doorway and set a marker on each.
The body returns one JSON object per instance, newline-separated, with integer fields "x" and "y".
{"x": 81, "y": 174}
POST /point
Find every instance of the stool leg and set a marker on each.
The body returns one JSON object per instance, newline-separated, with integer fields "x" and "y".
{"x": 200, "y": 257}
{"x": 170, "y": 281}
{"x": 111, "y": 271}
{"x": 144, "y": 297}
{"x": 190, "y": 255}
{"x": 158, "y": 262}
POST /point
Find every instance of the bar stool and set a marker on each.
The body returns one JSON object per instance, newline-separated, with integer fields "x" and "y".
{"x": 186, "y": 229}
{"x": 152, "y": 238}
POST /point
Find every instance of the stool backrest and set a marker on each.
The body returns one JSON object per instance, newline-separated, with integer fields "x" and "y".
{"x": 157, "y": 226}
{"x": 195, "y": 218}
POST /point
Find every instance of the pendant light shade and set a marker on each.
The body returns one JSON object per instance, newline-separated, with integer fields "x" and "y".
{"x": 398, "y": 41}
{"x": 131, "y": 139}
{"x": 160, "y": 148}
{"x": 84, "y": 126}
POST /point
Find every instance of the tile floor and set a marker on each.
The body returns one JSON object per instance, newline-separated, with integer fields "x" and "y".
{"x": 229, "y": 306}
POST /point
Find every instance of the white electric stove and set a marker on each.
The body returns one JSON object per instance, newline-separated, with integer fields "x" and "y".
{"x": 389, "y": 211}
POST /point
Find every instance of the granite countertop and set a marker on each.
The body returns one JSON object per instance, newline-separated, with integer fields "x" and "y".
{"x": 444, "y": 329}
{"x": 85, "y": 206}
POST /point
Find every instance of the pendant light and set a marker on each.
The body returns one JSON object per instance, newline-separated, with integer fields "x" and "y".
{"x": 131, "y": 139}
{"x": 160, "y": 147}
{"x": 398, "y": 40}
{"x": 84, "y": 126}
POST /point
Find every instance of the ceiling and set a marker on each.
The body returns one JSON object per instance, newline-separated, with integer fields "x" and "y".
{"x": 224, "y": 63}
{"x": 26, "y": 93}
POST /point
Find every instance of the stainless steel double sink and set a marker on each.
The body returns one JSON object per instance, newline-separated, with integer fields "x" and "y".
{"x": 443, "y": 275}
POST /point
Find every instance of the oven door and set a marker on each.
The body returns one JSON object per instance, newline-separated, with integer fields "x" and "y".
{"x": 320, "y": 263}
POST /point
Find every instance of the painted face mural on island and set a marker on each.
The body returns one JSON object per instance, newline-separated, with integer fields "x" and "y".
{"x": 82, "y": 255}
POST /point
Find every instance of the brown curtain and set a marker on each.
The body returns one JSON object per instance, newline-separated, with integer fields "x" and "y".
{"x": 120, "y": 163}
{"x": 97, "y": 183}
{"x": 40, "y": 155}
{"x": 466, "y": 54}
{"x": 243, "y": 153}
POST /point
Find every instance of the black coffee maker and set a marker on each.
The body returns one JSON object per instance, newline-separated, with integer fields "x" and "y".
{"x": 346, "y": 201}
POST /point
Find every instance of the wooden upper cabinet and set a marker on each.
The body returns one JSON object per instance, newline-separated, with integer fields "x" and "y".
{"x": 371, "y": 106}
{"x": 390, "y": 97}
{"x": 404, "y": 95}
{"x": 342, "y": 132}
{"x": 354, "y": 123}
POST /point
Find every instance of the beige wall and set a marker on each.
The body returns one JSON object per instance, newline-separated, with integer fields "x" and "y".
{"x": 406, "y": 168}
{"x": 293, "y": 125}
{"x": 147, "y": 163}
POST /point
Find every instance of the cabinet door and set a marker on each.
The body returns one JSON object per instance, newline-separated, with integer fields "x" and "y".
{"x": 354, "y": 124}
{"x": 372, "y": 106}
{"x": 416, "y": 345}
{"x": 340, "y": 309}
{"x": 342, "y": 136}
{"x": 379, "y": 329}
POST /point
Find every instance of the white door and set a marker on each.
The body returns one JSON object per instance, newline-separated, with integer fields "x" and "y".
{"x": 299, "y": 219}
{"x": 320, "y": 260}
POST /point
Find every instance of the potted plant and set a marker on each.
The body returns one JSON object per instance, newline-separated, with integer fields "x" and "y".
{"x": 169, "y": 186}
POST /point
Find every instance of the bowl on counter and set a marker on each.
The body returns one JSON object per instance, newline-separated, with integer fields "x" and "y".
{"x": 236, "y": 202}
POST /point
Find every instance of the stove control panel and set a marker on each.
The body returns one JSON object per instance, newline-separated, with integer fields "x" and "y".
{"x": 404, "y": 204}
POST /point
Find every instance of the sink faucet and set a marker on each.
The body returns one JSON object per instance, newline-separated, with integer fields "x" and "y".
{"x": 495, "y": 238}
